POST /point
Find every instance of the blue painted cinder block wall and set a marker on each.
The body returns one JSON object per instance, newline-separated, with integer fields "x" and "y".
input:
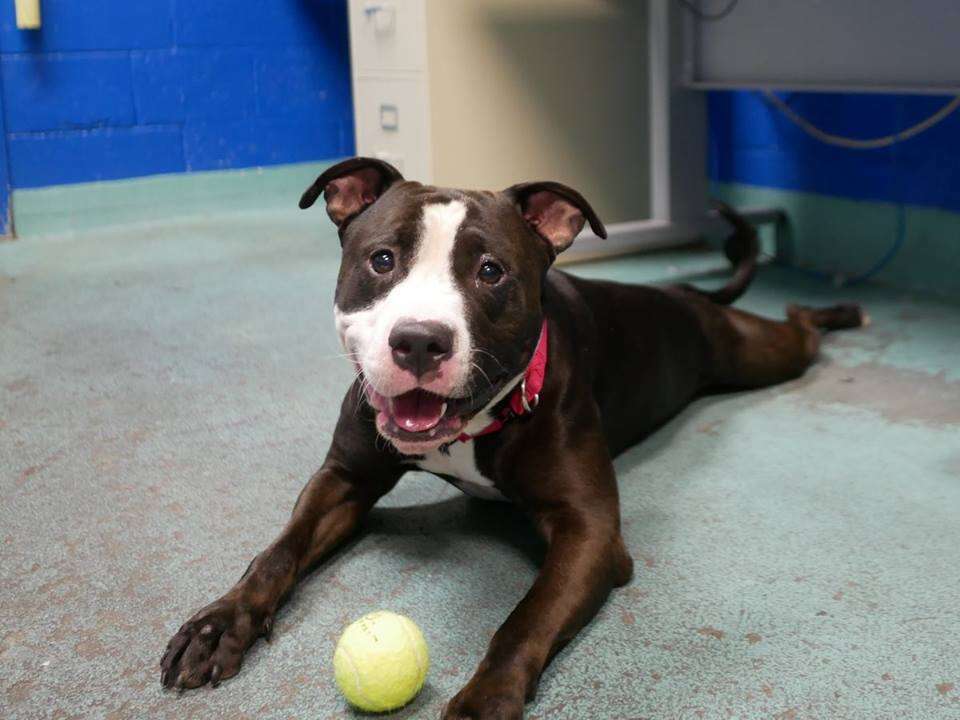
{"x": 753, "y": 143}
{"x": 113, "y": 89}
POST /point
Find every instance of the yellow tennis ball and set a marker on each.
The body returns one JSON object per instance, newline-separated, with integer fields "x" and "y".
{"x": 381, "y": 661}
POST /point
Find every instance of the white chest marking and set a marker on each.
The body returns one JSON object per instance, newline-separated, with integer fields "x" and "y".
{"x": 459, "y": 462}
{"x": 461, "y": 466}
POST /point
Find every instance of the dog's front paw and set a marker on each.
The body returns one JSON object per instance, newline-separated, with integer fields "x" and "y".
{"x": 487, "y": 697}
{"x": 209, "y": 647}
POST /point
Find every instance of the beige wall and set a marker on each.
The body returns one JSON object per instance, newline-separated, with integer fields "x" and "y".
{"x": 542, "y": 90}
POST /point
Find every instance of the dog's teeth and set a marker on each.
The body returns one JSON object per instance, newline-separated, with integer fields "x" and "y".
{"x": 433, "y": 432}
{"x": 443, "y": 410}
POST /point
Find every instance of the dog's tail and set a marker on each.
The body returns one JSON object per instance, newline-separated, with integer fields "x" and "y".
{"x": 741, "y": 249}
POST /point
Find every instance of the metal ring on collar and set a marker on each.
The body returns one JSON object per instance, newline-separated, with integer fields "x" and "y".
{"x": 523, "y": 398}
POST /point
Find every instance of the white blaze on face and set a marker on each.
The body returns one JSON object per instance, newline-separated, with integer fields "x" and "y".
{"x": 428, "y": 293}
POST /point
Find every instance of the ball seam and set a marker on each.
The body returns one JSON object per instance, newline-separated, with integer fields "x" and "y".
{"x": 359, "y": 685}
{"x": 421, "y": 673}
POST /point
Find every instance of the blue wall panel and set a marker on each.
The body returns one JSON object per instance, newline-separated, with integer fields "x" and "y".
{"x": 38, "y": 159}
{"x": 751, "y": 142}
{"x": 244, "y": 22}
{"x": 54, "y": 92}
{"x": 291, "y": 82}
{"x": 90, "y": 25}
{"x": 173, "y": 85}
{"x": 119, "y": 88}
{"x": 262, "y": 141}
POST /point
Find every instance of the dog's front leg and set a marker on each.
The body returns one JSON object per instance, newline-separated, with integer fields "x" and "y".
{"x": 585, "y": 559}
{"x": 210, "y": 646}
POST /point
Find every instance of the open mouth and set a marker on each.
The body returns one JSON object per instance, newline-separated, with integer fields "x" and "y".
{"x": 418, "y": 416}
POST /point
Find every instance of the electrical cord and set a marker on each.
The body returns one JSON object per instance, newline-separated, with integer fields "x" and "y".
{"x": 866, "y": 144}
{"x": 887, "y": 257}
{"x": 845, "y": 142}
{"x": 843, "y": 281}
{"x": 709, "y": 17}
{"x": 854, "y": 143}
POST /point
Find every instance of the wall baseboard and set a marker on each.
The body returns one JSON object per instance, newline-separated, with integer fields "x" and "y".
{"x": 61, "y": 209}
{"x": 838, "y": 236}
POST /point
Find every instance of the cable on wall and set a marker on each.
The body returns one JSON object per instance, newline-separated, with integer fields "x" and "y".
{"x": 854, "y": 143}
{"x": 898, "y": 242}
{"x": 867, "y": 144}
{"x": 845, "y": 142}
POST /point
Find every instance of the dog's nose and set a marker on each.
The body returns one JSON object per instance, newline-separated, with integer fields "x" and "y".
{"x": 420, "y": 346}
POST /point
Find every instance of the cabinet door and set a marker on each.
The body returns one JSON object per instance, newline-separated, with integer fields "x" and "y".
{"x": 388, "y": 35}
{"x": 393, "y": 123}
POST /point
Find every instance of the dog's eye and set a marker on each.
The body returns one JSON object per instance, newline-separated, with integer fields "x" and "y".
{"x": 382, "y": 261}
{"x": 490, "y": 272}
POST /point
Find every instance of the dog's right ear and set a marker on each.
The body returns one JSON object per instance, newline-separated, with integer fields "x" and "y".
{"x": 350, "y": 187}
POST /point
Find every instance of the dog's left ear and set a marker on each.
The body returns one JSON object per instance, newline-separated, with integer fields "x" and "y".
{"x": 350, "y": 186}
{"x": 555, "y": 212}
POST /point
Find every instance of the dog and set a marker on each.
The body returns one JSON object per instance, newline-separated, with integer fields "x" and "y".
{"x": 480, "y": 363}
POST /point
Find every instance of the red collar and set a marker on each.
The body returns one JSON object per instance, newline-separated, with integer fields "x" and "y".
{"x": 526, "y": 396}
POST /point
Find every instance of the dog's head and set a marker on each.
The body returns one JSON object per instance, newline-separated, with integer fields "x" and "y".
{"x": 439, "y": 292}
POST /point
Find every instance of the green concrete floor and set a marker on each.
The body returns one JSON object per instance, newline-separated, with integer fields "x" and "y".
{"x": 165, "y": 390}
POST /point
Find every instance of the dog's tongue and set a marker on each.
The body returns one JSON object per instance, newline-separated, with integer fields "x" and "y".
{"x": 417, "y": 411}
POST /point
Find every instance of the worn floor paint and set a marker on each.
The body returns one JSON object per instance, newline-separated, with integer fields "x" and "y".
{"x": 166, "y": 389}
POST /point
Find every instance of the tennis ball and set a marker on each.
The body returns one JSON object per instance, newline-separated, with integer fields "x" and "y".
{"x": 381, "y": 661}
